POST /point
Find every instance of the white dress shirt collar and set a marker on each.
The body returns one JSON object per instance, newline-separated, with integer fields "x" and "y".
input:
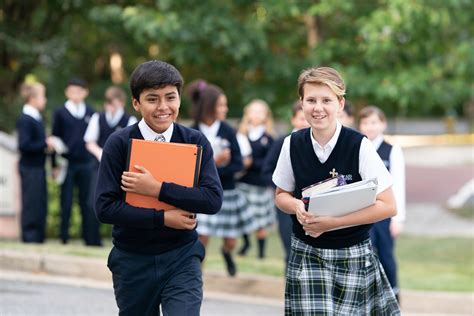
{"x": 256, "y": 132}
{"x": 76, "y": 110}
{"x": 149, "y": 134}
{"x": 210, "y": 131}
{"x": 323, "y": 152}
{"x": 113, "y": 120}
{"x": 377, "y": 141}
{"x": 31, "y": 111}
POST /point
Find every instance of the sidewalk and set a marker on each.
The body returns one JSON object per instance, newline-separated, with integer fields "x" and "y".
{"x": 267, "y": 290}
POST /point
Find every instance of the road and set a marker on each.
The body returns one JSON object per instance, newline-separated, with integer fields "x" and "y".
{"x": 32, "y": 295}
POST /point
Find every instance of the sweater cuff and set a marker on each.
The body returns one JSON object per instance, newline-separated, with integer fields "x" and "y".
{"x": 158, "y": 219}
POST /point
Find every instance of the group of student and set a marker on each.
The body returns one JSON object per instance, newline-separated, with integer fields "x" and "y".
{"x": 157, "y": 256}
{"x": 75, "y": 147}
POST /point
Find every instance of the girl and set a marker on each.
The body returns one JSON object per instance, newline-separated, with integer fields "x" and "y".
{"x": 257, "y": 126}
{"x": 331, "y": 271}
{"x": 209, "y": 109}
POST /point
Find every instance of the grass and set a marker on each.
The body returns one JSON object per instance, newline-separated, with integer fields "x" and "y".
{"x": 430, "y": 264}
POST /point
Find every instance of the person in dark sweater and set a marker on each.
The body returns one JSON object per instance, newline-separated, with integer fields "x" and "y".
{"x": 209, "y": 110}
{"x": 156, "y": 258}
{"x": 298, "y": 121}
{"x": 33, "y": 146}
{"x": 69, "y": 125}
{"x": 332, "y": 269}
{"x": 372, "y": 123}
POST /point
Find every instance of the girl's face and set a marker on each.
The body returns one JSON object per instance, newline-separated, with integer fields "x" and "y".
{"x": 257, "y": 114}
{"x": 372, "y": 126}
{"x": 221, "y": 108}
{"x": 321, "y": 107}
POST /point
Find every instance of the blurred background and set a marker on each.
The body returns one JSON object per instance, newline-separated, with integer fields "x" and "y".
{"x": 412, "y": 58}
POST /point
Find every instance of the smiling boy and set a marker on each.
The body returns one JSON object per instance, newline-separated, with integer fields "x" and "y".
{"x": 156, "y": 256}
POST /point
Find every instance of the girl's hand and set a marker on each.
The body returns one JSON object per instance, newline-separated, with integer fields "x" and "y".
{"x": 141, "y": 182}
{"x": 317, "y": 225}
{"x": 223, "y": 158}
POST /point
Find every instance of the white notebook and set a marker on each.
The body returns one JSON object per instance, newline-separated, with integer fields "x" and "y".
{"x": 342, "y": 200}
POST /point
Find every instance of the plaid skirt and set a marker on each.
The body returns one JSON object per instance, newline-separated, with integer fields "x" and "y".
{"x": 260, "y": 204}
{"x": 347, "y": 281}
{"x": 233, "y": 219}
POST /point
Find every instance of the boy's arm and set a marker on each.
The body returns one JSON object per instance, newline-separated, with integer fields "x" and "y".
{"x": 110, "y": 207}
{"x": 26, "y": 144}
{"x": 207, "y": 197}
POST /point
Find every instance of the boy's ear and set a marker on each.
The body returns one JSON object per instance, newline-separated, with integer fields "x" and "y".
{"x": 136, "y": 104}
{"x": 342, "y": 103}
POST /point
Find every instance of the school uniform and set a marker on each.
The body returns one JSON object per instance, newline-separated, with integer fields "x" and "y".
{"x": 234, "y": 219}
{"x": 69, "y": 124}
{"x": 34, "y": 195}
{"x": 253, "y": 185}
{"x": 380, "y": 235}
{"x": 152, "y": 264}
{"x": 336, "y": 273}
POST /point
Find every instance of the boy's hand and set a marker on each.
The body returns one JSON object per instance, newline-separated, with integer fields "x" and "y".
{"x": 300, "y": 211}
{"x": 223, "y": 158}
{"x": 179, "y": 219}
{"x": 316, "y": 225}
{"x": 395, "y": 227}
{"x": 141, "y": 182}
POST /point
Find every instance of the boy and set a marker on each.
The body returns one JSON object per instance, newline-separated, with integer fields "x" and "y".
{"x": 298, "y": 121}
{"x": 372, "y": 123}
{"x": 156, "y": 255}
{"x": 69, "y": 125}
{"x": 331, "y": 272}
{"x": 346, "y": 117}
{"x": 102, "y": 125}
{"x": 33, "y": 146}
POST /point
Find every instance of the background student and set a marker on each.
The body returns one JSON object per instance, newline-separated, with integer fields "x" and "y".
{"x": 257, "y": 126}
{"x": 298, "y": 121}
{"x": 69, "y": 125}
{"x": 156, "y": 258}
{"x": 33, "y": 146}
{"x": 347, "y": 116}
{"x": 332, "y": 270}
{"x": 209, "y": 111}
{"x": 372, "y": 123}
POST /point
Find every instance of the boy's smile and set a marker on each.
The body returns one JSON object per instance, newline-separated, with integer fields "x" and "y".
{"x": 159, "y": 107}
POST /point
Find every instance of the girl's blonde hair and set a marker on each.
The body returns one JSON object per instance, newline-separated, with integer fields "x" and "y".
{"x": 30, "y": 90}
{"x": 244, "y": 124}
{"x": 322, "y": 75}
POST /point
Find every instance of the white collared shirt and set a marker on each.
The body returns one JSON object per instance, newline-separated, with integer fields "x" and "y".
{"x": 93, "y": 128}
{"x": 76, "y": 110}
{"x": 323, "y": 152}
{"x": 32, "y": 111}
{"x": 370, "y": 164}
{"x": 397, "y": 170}
{"x": 210, "y": 131}
{"x": 256, "y": 132}
{"x": 244, "y": 145}
{"x": 149, "y": 134}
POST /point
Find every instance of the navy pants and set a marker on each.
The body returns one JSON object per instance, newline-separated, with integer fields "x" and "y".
{"x": 80, "y": 175}
{"x": 34, "y": 198}
{"x": 172, "y": 280}
{"x": 285, "y": 229}
{"x": 384, "y": 245}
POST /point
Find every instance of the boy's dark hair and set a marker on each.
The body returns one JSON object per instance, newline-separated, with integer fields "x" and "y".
{"x": 203, "y": 97}
{"x": 295, "y": 108}
{"x": 77, "y": 82}
{"x": 115, "y": 92}
{"x": 349, "y": 109}
{"x": 154, "y": 74}
{"x": 370, "y": 110}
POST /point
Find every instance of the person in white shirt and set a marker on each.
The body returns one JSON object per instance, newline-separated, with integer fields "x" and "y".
{"x": 372, "y": 123}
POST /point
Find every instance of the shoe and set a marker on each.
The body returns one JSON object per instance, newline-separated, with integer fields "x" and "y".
{"x": 245, "y": 247}
{"x": 229, "y": 262}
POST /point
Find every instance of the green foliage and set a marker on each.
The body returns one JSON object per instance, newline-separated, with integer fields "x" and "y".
{"x": 412, "y": 58}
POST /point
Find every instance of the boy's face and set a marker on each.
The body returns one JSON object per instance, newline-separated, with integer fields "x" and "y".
{"x": 299, "y": 121}
{"x": 321, "y": 106}
{"x": 159, "y": 107}
{"x": 76, "y": 94}
{"x": 372, "y": 126}
{"x": 221, "y": 107}
{"x": 345, "y": 119}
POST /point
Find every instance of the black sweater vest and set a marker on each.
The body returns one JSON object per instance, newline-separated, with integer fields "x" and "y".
{"x": 105, "y": 130}
{"x": 307, "y": 168}
{"x": 384, "y": 152}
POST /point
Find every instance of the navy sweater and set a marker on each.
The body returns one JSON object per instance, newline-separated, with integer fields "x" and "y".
{"x": 31, "y": 141}
{"x": 142, "y": 230}
{"x": 260, "y": 148}
{"x": 71, "y": 131}
{"x": 271, "y": 160}
{"x": 105, "y": 130}
{"x": 308, "y": 170}
{"x": 227, "y": 172}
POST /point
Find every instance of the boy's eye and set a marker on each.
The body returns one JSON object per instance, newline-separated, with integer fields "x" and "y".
{"x": 151, "y": 100}
{"x": 327, "y": 100}
{"x": 171, "y": 98}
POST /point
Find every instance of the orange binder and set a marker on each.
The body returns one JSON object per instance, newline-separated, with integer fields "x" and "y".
{"x": 167, "y": 162}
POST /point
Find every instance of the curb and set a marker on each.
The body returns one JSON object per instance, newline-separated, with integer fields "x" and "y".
{"x": 256, "y": 287}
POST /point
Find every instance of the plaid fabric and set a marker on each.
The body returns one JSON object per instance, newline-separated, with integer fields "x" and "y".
{"x": 347, "y": 281}
{"x": 260, "y": 203}
{"x": 233, "y": 220}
